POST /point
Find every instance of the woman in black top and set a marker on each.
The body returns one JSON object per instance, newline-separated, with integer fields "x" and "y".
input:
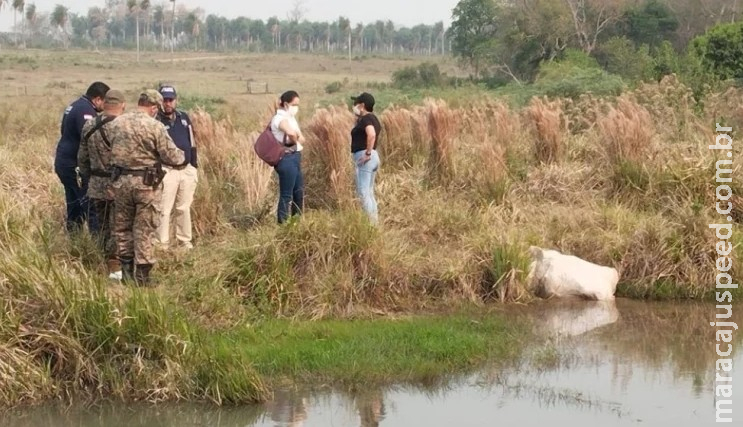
{"x": 364, "y": 137}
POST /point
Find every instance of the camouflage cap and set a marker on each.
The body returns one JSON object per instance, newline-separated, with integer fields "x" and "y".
{"x": 114, "y": 97}
{"x": 152, "y": 96}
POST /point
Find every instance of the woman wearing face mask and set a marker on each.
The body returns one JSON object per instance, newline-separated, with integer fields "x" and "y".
{"x": 285, "y": 129}
{"x": 364, "y": 137}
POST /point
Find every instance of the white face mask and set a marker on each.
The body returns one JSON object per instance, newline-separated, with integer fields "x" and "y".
{"x": 356, "y": 110}
{"x": 293, "y": 110}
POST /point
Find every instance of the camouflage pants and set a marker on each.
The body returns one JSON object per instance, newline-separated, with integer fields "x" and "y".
{"x": 136, "y": 218}
{"x": 104, "y": 211}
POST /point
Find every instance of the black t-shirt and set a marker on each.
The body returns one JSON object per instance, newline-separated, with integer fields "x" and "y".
{"x": 358, "y": 133}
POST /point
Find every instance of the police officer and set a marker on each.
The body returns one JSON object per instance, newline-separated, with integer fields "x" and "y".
{"x": 94, "y": 160}
{"x": 140, "y": 144}
{"x": 180, "y": 181}
{"x": 65, "y": 161}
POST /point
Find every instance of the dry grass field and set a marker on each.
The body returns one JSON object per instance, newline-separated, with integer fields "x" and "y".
{"x": 60, "y": 76}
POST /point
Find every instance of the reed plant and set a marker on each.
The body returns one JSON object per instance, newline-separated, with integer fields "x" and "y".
{"x": 443, "y": 124}
{"x": 548, "y": 124}
{"x": 330, "y": 170}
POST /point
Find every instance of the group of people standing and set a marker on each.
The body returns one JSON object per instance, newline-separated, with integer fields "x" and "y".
{"x": 364, "y": 142}
{"x": 124, "y": 172}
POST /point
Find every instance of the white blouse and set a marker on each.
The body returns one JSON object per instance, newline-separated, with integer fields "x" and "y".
{"x": 282, "y": 114}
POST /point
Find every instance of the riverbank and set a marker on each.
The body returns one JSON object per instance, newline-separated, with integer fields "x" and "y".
{"x": 66, "y": 334}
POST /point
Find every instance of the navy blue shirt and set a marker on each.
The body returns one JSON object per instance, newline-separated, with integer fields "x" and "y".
{"x": 75, "y": 116}
{"x": 179, "y": 130}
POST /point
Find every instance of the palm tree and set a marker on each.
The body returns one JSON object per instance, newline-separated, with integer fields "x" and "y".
{"x": 18, "y": 6}
{"x": 344, "y": 26}
{"x": 194, "y": 27}
{"x": 144, "y": 7}
{"x": 133, "y": 8}
{"x": 31, "y": 15}
{"x": 59, "y": 18}
{"x": 2, "y": 3}
{"x": 159, "y": 16}
{"x": 172, "y": 29}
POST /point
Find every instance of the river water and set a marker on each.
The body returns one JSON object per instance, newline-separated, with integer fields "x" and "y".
{"x": 623, "y": 363}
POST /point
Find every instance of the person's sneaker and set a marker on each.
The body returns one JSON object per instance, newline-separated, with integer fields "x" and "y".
{"x": 116, "y": 275}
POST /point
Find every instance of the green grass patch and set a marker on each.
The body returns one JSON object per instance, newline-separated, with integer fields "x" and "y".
{"x": 211, "y": 104}
{"x": 415, "y": 350}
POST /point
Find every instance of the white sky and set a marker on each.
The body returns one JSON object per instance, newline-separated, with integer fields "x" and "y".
{"x": 401, "y": 12}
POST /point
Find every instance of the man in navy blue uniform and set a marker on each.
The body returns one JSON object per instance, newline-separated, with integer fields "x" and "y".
{"x": 179, "y": 184}
{"x": 65, "y": 161}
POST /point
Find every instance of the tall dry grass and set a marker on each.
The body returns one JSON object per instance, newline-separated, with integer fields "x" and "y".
{"x": 235, "y": 183}
{"x": 627, "y": 132}
{"x": 443, "y": 125}
{"x": 65, "y": 334}
{"x": 404, "y": 140}
{"x": 672, "y": 106}
{"x": 489, "y": 137}
{"x": 330, "y": 170}
{"x": 548, "y": 126}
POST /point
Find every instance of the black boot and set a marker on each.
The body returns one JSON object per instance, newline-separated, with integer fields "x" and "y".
{"x": 127, "y": 270}
{"x": 142, "y": 275}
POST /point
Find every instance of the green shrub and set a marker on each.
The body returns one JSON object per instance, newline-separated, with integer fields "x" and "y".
{"x": 721, "y": 50}
{"x": 425, "y": 75}
{"x": 619, "y": 56}
{"x": 575, "y": 74}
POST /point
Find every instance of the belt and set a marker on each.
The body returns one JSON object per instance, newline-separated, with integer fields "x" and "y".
{"x": 180, "y": 167}
{"x": 100, "y": 173}
{"x": 133, "y": 172}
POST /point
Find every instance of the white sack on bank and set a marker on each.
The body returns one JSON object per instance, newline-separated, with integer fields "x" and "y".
{"x": 555, "y": 275}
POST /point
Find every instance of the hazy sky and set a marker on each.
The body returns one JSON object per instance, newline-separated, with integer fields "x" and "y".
{"x": 401, "y": 12}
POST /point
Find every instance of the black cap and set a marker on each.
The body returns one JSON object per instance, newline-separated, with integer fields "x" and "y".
{"x": 168, "y": 92}
{"x": 366, "y": 99}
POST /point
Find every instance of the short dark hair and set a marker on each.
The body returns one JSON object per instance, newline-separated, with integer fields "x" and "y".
{"x": 97, "y": 90}
{"x": 288, "y": 96}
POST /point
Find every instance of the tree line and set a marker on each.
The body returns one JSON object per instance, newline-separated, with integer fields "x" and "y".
{"x": 511, "y": 40}
{"x": 169, "y": 25}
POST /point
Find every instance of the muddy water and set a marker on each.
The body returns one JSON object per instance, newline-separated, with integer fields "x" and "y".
{"x": 618, "y": 364}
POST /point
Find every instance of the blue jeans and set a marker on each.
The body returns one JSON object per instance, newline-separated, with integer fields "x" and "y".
{"x": 365, "y": 175}
{"x": 291, "y": 186}
{"x": 78, "y": 205}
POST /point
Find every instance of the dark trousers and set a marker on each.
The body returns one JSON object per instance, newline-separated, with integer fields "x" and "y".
{"x": 104, "y": 211}
{"x": 291, "y": 186}
{"x": 78, "y": 206}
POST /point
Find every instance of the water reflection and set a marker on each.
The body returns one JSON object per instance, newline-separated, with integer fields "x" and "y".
{"x": 288, "y": 407}
{"x": 574, "y": 317}
{"x": 607, "y": 363}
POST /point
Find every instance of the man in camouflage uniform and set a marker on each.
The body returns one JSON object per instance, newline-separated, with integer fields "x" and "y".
{"x": 140, "y": 144}
{"x": 94, "y": 161}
